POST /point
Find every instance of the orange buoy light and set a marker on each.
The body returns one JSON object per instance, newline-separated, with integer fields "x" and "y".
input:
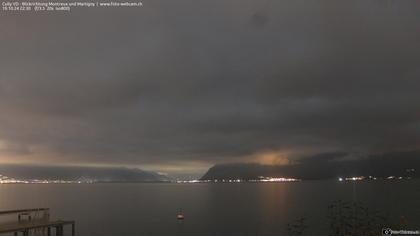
{"x": 180, "y": 216}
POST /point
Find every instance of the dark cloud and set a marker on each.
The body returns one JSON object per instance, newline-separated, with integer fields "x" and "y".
{"x": 323, "y": 157}
{"x": 192, "y": 83}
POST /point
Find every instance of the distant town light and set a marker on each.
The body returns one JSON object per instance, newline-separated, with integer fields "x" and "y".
{"x": 355, "y": 178}
{"x": 279, "y": 180}
{"x": 263, "y": 179}
{"x": 8, "y": 180}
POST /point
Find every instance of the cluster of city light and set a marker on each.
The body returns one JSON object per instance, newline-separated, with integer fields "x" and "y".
{"x": 260, "y": 179}
{"x": 8, "y": 180}
{"x": 190, "y": 181}
{"x": 15, "y": 181}
{"x": 278, "y": 180}
{"x": 356, "y": 178}
{"x": 395, "y": 177}
{"x": 229, "y": 180}
{"x": 360, "y": 178}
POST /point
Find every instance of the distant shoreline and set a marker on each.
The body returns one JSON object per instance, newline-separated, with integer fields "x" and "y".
{"x": 211, "y": 182}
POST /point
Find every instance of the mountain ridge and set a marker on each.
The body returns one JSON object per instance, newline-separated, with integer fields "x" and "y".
{"x": 323, "y": 167}
{"x": 81, "y": 173}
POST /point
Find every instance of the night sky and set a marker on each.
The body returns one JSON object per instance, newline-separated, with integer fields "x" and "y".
{"x": 177, "y": 86}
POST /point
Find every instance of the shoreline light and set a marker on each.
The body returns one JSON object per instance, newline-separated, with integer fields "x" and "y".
{"x": 8, "y": 180}
{"x": 261, "y": 179}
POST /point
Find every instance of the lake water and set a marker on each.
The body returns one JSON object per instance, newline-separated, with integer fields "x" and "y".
{"x": 210, "y": 209}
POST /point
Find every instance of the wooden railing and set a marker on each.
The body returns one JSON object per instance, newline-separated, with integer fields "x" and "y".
{"x": 33, "y": 223}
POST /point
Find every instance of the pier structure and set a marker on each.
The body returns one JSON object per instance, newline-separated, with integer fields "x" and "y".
{"x": 34, "y": 221}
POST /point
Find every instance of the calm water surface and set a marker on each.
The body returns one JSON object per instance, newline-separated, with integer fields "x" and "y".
{"x": 210, "y": 209}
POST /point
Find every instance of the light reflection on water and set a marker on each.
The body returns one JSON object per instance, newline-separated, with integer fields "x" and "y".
{"x": 209, "y": 209}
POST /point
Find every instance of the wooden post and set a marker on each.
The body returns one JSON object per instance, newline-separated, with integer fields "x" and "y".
{"x": 15, "y": 233}
{"x": 73, "y": 229}
{"x": 59, "y": 230}
{"x": 49, "y": 231}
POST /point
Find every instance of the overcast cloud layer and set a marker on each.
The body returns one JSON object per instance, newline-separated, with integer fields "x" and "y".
{"x": 181, "y": 85}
